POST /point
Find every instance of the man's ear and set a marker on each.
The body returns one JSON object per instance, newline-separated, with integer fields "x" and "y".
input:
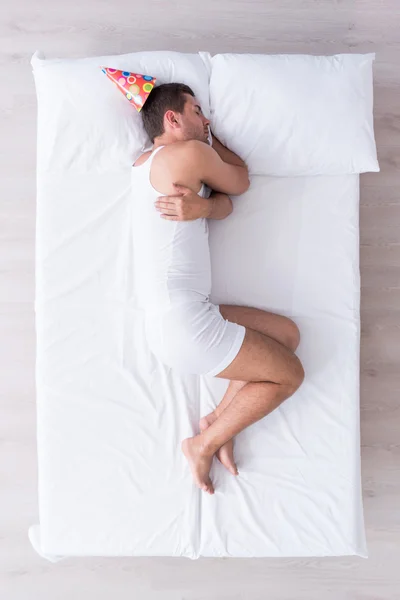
{"x": 171, "y": 118}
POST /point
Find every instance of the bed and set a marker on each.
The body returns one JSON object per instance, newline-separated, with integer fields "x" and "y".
{"x": 110, "y": 417}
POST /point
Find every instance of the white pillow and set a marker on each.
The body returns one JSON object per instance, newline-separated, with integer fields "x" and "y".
{"x": 290, "y": 115}
{"x": 86, "y": 123}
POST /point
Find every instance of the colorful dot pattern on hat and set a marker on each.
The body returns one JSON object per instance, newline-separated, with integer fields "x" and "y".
{"x": 135, "y": 87}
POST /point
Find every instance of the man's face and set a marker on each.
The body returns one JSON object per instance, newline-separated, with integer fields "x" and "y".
{"x": 193, "y": 124}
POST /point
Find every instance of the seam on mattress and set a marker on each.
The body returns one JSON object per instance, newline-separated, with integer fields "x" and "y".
{"x": 357, "y": 299}
{"x": 198, "y": 541}
{"x": 300, "y": 230}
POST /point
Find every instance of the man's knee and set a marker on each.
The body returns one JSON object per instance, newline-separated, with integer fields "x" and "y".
{"x": 296, "y": 375}
{"x": 292, "y": 374}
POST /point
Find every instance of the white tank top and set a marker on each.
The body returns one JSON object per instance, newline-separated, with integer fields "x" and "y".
{"x": 171, "y": 258}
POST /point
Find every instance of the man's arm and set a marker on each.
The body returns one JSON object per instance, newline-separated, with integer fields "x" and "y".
{"x": 223, "y": 177}
{"x": 219, "y": 175}
{"x": 220, "y": 206}
{"x": 227, "y": 155}
{"x": 188, "y": 206}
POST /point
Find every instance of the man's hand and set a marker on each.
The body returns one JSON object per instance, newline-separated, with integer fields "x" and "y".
{"x": 186, "y": 205}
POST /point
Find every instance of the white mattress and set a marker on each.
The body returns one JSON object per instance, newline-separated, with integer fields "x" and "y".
{"x": 112, "y": 479}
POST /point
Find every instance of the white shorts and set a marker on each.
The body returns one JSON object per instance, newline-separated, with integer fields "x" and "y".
{"x": 194, "y": 338}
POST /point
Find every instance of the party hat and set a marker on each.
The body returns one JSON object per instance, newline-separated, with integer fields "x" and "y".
{"x": 134, "y": 86}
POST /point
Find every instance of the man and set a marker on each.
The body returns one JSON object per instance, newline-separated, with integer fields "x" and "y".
{"x": 252, "y": 348}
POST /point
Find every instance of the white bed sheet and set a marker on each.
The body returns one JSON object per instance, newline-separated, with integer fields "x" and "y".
{"x": 112, "y": 479}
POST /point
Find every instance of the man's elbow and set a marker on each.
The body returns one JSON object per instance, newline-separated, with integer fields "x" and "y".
{"x": 222, "y": 206}
{"x": 226, "y": 207}
{"x": 245, "y": 183}
{"x": 242, "y": 188}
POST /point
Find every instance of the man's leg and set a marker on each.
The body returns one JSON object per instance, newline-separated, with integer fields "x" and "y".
{"x": 225, "y": 453}
{"x": 272, "y": 372}
{"x": 278, "y": 327}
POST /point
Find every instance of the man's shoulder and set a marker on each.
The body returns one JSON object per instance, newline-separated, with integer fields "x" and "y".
{"x": 185, "y": 154}
{"x": 142, "y": 158}
{"x": 186, "y": 146}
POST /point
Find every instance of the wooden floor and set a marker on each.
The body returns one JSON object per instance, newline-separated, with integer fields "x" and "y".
{"x": 76, "y": 28}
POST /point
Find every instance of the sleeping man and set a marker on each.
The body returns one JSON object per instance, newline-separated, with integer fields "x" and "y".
{"x": 252, "y": 348}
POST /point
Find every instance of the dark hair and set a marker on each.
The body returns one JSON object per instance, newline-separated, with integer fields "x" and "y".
{"x": 167, "y": 96}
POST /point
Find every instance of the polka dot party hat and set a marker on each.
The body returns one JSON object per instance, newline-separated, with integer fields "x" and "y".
{"x": 135, "y": 87}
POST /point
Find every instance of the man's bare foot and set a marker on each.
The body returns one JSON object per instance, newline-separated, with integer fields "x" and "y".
{"x": 225, "y": 453}
{"x": 199, "y": 462}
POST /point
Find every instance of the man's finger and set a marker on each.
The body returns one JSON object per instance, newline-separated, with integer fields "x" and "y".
{"x": 167, "y": 218}
{"x": 168, "y": 200}
{"x": 171, "y": 198}
{"x": 169, "y": 211}
{"x": 162, "y": 205}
